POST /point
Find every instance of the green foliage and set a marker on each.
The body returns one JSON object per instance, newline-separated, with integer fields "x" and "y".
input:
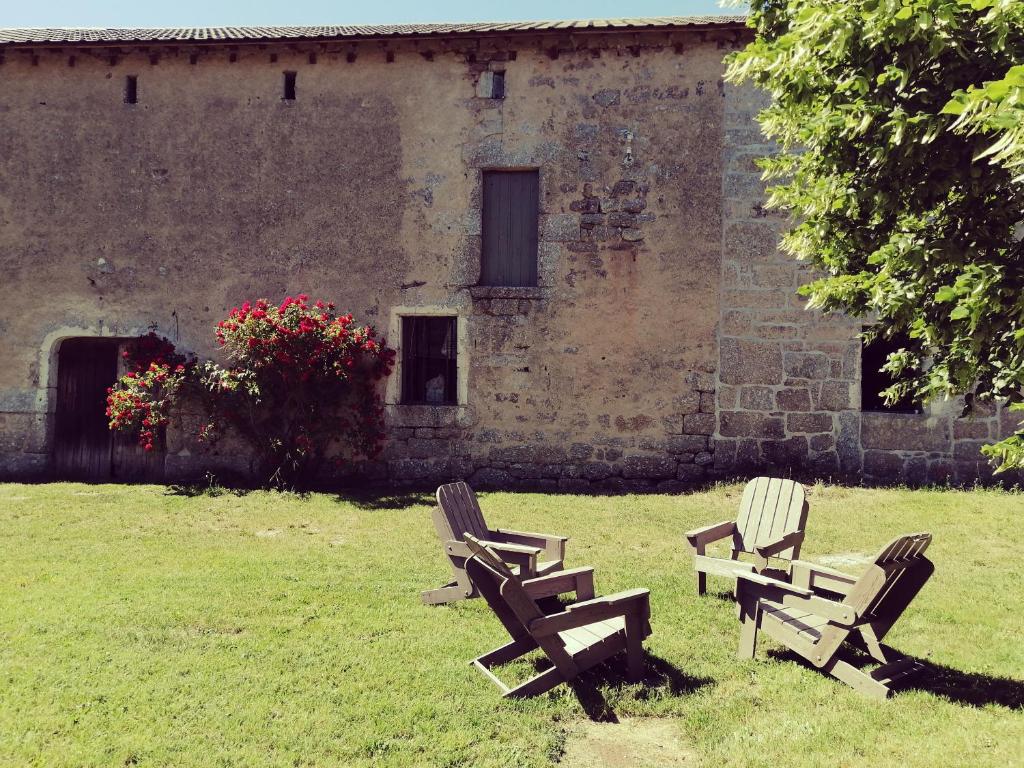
{"x": 901, "y": 148}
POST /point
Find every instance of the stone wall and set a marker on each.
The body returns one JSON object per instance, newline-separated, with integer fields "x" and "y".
{"x": 789, "y": 379}
{"x": 664, "y": 345}
{"x": 366, "y": 190}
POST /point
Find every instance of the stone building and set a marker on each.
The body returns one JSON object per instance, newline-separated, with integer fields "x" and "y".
{"x": 560, "y": 225}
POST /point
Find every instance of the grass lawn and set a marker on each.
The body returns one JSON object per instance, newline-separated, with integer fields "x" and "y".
{"x": 139, "y": 627}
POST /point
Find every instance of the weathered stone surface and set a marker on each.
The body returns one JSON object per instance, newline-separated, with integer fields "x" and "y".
{"x": 757, "y": 399}
{"x": 791, "y": 452}
{"x": 487, "y": 477}
{"x": 529, "y": 454}
{"x": 882, "y": 464}
{"x": 910, "y": 432}
{"x": 685, "y": 443}
{"x": 690, "y": 473}
{"x": 807, "y": 365}
{"x": 751, "y": 362}
{"x": 793, "y": 399}
{"x": 809, "y": 422}
{"x": 648, "y": 467}
{"x": 699, "y": 423}
{"x": 836, "y": 396}
{"x": 743, "y": 424}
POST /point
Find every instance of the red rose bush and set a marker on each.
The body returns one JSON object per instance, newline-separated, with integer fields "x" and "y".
{"x": 299, "y": 383}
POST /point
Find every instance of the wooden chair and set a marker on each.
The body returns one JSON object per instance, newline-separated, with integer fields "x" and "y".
{"x": 770, "y": 523}
{"x": 822, "y": 609}
{"x": 458, "y": 513}
{"x": 575, "y": 638}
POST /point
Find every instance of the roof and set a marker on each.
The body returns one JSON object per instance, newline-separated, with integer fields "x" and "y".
{"x": 127, "y": 35}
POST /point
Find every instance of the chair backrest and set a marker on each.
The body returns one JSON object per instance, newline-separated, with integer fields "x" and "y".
{"x": 892, "y": 580}
{"x": 771, "y": 507}
{"x": 458, "y": 513}
{"x": 504, "y": 593}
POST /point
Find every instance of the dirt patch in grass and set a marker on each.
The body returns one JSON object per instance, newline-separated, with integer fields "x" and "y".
{"x": 629, "y": 743}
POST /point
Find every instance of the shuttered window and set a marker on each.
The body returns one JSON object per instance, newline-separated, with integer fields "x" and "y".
{"x": 510, "y": 206}
{"x": 429, "y": 365}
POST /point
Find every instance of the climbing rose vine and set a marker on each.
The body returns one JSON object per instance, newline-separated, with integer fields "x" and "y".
{"x": 299, "y": 383}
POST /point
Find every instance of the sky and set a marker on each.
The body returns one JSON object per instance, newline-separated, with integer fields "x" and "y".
{"x": 210, "y": 13}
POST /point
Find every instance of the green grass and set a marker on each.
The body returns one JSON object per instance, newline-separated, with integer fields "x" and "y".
{"x": 142, "y": 627}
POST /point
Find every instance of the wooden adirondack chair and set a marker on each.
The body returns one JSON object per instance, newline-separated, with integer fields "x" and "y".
{"x": 574, "y": 639}
{"x": 458, "y": 513}
{"x": 804, "y": 616}
{"x": 770, "y": 523}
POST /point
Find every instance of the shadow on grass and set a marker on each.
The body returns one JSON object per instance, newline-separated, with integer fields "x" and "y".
{"x": 659, "y": 674}
{"x": 972, "y": 689}
{"x": 370, "y": 500}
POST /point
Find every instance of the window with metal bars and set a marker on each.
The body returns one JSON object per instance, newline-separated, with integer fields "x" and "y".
{"x": 429, "y": 365}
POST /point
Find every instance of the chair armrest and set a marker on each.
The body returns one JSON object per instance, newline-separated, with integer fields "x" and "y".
{"x": 589, "y": 611}
{"x": 773, "y": 548}
{"x": 553, "y": 545}
{"x": 794, "y": 596}
{"x": 513, "y": 554}
{"x": 699, "y": 538}
{"x": 815, "y": 577}
{"x": 578, "y": 580}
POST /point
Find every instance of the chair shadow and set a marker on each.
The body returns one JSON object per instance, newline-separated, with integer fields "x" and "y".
{"x": 971, "y": 689}
{"x": 385, "y": 501}
{"x": 658, "y": 674}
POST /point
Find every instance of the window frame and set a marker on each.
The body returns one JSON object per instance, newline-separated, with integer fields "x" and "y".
{"x": 393, "y": 395}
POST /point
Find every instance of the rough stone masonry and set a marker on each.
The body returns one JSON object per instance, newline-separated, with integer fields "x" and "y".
{"x": 663, "y": 345}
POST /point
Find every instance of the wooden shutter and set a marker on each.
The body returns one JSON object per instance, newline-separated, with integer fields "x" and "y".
{"x": 510, "y": 207}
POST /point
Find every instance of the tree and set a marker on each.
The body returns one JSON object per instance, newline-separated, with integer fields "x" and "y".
{"x": 300, "y": 384}
{"x": 900, "y": 126}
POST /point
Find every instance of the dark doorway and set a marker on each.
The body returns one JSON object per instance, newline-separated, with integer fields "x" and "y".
{"x": 84, "y": 447}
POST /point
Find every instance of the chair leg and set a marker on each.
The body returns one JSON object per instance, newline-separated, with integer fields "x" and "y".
{"x": 750, "y": 616}
{"x": 702, "y": 583}
{"x": 459, "y": 589}
{"x": 857, "y": 679}
{"x": 634, "y": 647}
{"x": 545, "y": 681}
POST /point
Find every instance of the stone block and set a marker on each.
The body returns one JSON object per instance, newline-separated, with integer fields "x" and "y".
{"x": 793, "y": 399}
{"x": 529, "y": 454}
{"x": 785, "y": 453}
{"x": 969, "y": 449}
{"x": 690, "y": 473}
{"x": 757, "y": 399}
{"x": 883, "y": 465}
{"x": 904, "y": 432}
{"x": 580, "y": 452}
{"x": 807, "y": 365}
{"x": 751, "y": 362}
{"x": 822, "y": 442}
{"x": 751, "y": 425}
{"x": 703, "y": 458}
{"x": 595, "y": 470}
{"x": 560, "y": 227}
{"x": 836, "y": 396}
{"x": 699, "y": 423}
{"x": 809, "y": 422}
{"x": 848, "y": 441}
{"x": 488, "y": 477}
{"x": 974, "y": 429}
{"x": 650, "y": 467}
{"x": 679, "y": 444}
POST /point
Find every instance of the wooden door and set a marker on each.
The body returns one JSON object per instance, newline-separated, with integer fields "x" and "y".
{"x": 82, "y": 439}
